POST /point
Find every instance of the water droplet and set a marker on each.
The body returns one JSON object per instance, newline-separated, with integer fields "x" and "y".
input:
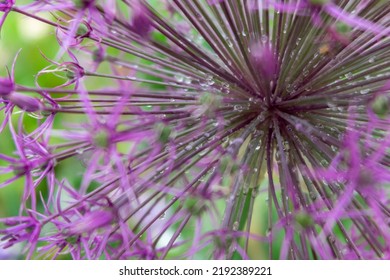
{"x": 132, "y": 78}
{"x": 299, "y": 126}
{"x": 210, "y": 80}
{"x": 331, "y": 239}
{"x": 254, "y": 193}
{"x": 226, "y": 88}
{"x": 162, "y": 216}
{"x": 238, "y": 108}
{"x": 189, "y": 147}
{"x": 286, "y": 146}
{"x": 308, "y": 88}
{"x": 187, "y": 80}
{"x": 179, "y": 78}
{"x": 313, "y": 195}
{"x": 349, "y": 75}
{"x": 229, "y": 42}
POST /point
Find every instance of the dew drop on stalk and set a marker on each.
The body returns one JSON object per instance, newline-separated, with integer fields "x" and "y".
{"x": 236, "y": 225}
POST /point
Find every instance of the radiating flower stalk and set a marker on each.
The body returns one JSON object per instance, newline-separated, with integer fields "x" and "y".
{"x": 185, "y": 114}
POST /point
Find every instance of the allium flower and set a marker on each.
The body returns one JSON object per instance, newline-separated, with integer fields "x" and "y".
{"x": 182, "y": 117}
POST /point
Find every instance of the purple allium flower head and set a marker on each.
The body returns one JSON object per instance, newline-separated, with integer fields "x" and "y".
{"x": 181, "y": 127}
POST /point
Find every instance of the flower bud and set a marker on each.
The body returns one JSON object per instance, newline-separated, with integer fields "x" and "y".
{"x": 73, "y": 70}
{"x": 6, "y": 87}
{"x": 24, "y": 102}
{"x": 381, "y": 106}
{"x": 6, "y": 5}
{"x": 84, "y": 30}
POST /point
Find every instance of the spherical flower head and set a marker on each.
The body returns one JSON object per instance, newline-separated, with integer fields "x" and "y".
{"x": 7, "y": 86}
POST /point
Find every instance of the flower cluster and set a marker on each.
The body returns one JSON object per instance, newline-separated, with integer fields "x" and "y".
{"x": 182, "y": 117}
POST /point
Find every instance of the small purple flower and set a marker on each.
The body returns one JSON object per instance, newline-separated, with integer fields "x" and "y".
{"x": 6, "y": 87}
{"x": 24, "y": 102}
{"x": 90, "y": 222}
{"x": 6, "y": 5}
{"x": 20, "y": 229}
